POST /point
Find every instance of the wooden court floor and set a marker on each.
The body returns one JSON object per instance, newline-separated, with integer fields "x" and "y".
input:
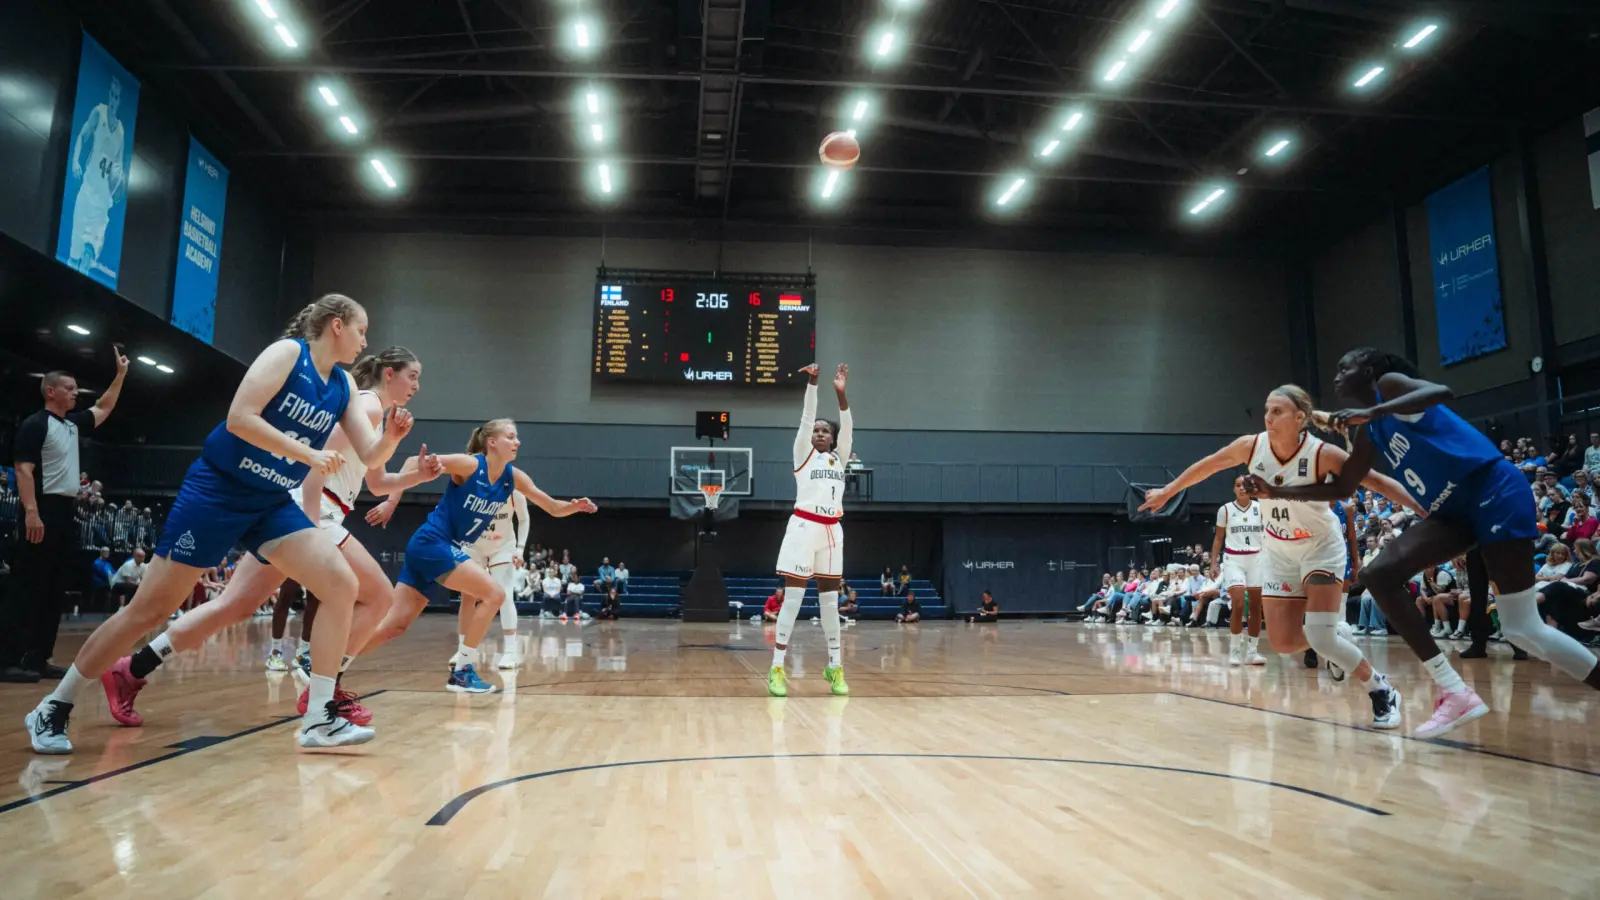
{"x": 643, "y": 759}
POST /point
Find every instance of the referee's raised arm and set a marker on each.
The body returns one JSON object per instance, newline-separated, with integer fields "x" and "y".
{"x": 108, "y": 400}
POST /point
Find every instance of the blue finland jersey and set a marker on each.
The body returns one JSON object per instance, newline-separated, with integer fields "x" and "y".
{"x": 306, "y": 408}
{"x": 1433, "y": 455}
{"x": 468, "y": 508}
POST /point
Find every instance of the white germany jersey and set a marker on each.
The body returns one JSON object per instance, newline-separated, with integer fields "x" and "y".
{"x": 819, "y": 485}
{"x": 501, "y": 532}
{"x": 1241, "y": 533}
{"x": 344, "y": 483}
{"x": 1292, "y": 520}
{"x": 105, "y": 154}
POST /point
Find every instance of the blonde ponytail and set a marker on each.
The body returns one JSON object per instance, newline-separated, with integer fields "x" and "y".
{"x": 479, "y": 442}
{"x": 309, "y": 323}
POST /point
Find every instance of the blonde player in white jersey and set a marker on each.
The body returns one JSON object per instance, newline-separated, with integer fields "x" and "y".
{"x": 1302, "y": 563}
{"x": 1235, "y": 550}
{"x": 498, "y": 543}
{"x": 813, "y": 544}
{"x": 388, "y": 380}
{"x": 102, "y": 179}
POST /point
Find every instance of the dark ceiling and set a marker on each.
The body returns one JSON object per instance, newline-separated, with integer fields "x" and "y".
{"x": 478, "y": 105}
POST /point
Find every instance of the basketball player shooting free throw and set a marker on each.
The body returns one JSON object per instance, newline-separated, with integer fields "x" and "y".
{"x": 813, "y": 544}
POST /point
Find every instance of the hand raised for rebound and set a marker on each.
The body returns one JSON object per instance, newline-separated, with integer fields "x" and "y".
{"x": 810, "y": 372}
{"x": 841, "y": 377}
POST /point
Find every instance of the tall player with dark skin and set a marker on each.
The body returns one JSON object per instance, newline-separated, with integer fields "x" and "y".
{"x": 822, "y": 442}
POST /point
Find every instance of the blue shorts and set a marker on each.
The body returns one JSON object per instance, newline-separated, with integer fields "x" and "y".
{"x": 428, "y": 559}
{"x": 213, "y": 512}
{"x": 1496, "y": 502}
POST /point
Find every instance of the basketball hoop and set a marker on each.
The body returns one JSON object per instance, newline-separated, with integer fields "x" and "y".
{"x": 712, "y": 493}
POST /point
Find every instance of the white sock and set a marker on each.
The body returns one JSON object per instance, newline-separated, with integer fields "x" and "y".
{"x": 304, "y": 647}
{"x": 778, "y": 653}
{"x": 829, "y": 601}
{"x": 320, "y": 694}
{"x": 67, "y": 690}
{"x": 277, "y": 645}
{"x": 508, "y": 616}
{"x": 345, "y": 663}
{"x": 465, "y": 656}
{"x": 792, "y": 598}
{"x": 1444, "y": 675}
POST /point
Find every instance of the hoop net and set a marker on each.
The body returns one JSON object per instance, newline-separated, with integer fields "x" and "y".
{"x": 713, "y": 494}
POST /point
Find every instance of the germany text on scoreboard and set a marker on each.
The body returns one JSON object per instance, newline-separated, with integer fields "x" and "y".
{"x": 732, "y": 330}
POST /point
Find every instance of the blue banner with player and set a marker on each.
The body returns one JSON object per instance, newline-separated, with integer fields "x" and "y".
{"x": 1467, "y": 304}
{"x": 194, "y": 285}
{"x": 103, "y": 116}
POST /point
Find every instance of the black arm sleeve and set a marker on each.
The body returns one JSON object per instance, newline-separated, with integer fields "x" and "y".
{"x": 30, "y": 440}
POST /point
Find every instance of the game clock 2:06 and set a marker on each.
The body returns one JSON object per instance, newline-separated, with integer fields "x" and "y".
{"x": 700, "y": 332}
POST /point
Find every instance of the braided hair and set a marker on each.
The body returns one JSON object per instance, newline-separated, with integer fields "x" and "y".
{"x": 1382, "y": 362}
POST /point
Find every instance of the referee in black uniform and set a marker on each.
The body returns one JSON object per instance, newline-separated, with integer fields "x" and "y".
{"x": 47, "y": 486}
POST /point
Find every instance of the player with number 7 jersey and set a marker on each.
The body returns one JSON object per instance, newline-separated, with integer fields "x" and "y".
{"x": 481, "y": 483}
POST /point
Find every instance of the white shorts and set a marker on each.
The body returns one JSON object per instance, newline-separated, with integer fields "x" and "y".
{"x": 499, "y": 565}
{"x": 1240, "y": 570}
{"x": 1285, "y": 565}
{"x": 89, "y": 219}
{"x": 811, "y": 549}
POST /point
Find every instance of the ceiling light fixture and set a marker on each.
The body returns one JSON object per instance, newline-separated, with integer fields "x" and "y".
{"x": 266, "y": 9}
{"x": 1140, "y": 41}
{"x": 1116, "y": 69}
{"x": 165, "y": 368}
{"x": 605, "y": 179}
{"x": 1049, "y": 148}
{"x": 1278, "y": 147}
{"x": 1072, "y": 121}
{"x": 348, "y": 125}
{"x": 593, "y": 100}
{"x": 580, "y": 33}
{"x": 1167, "y": 8}
{"x": 830, "y": 184}
{"x": 327, "y": 95}
{"x": 886, "y": 43}
{"x": 1011, "y": 191}
{"x": 1420, "y": 36}
{"x": 78, "y": 329}
{"x": 1366, "y": 79}
{"x": 859, "y": 111}
{"x": 596, "y": 132}
{"x": 285, "y": 36}
{"x": 383, "y": 172}
{"x": 1211, "y": 198}
{"x": 147, "y": 360}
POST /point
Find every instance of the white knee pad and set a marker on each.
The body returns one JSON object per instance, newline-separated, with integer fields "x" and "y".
{"x": 1521, "y": 625}
{"x": 1322, "y": 633}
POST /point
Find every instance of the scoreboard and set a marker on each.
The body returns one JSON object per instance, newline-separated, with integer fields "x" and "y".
{"x": 703, "y": 331}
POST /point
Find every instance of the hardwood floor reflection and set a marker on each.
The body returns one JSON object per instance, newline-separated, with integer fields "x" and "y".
{"x": 643, "y": 759}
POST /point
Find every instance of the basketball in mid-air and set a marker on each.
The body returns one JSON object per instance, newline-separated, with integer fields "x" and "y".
{"x": 840, "y": 150}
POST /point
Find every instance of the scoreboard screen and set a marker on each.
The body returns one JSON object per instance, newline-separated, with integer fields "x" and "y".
{"x": 703, "y": 331}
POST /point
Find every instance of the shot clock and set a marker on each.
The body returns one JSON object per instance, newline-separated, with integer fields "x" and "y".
{"x": 702, "y": 332}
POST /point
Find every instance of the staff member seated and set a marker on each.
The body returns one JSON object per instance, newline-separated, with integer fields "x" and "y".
{"x": 988, "y": 611}
{"x": 910, "y": 609}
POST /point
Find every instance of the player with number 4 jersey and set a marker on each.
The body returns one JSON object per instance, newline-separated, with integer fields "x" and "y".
{"x": 482, "y": 481}
{"x": 813, "y": 544}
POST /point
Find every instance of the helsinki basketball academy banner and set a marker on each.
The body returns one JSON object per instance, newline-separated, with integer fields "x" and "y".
{"x": 194, "y": 284}
{"x": 103, "y": 116}
{"x": 1466, "y": 270}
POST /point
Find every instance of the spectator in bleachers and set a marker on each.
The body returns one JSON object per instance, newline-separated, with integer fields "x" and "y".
{"x": 1371, "y": 620}
{"x": 1563, "y": 602}
{"x": 607, "y": 576}
{"x": 888, "y": 582}
{"x": 127, "y": 577}
{"x": 1557, "y": 561}
{"x": 910, "y": 608}
{"x": 144, "y": 530}
{"x": 848, "y": 607}
{"x": 1200, "y": 592}
{"x": 1103, "y": 594}
{"x": 123, "y": 522}
{"x": 566, "y": 569}
{"x": 100, "y": 572}
{"x": 1582, "y": 485}
{"x": 610, "y": 606}
{"x": 621, "y": 577}
{"x": 773, "y": 606}
{"x": 521, "y": 581}
{"x": 854, "y": 462}
{"x": 1591, "y": 455}
{"x": 1570, "y": 458}
{"x": 1579, "y": 523}
{"x": 574, "y": 606}
{"x": 1170, "y": 597}
{"x": 552, "y": 593}
{"x": 988, "y": 610}
{"x": 905, "y": 578}
{"x": 1138, "y": 603}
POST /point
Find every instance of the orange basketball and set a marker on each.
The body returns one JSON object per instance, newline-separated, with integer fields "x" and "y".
{"x": 840, "y": 150}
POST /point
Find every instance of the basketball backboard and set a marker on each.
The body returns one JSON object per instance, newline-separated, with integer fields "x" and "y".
{"x": 693, "y": 469}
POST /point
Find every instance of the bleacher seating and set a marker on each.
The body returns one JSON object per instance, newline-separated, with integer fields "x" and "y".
{"x": 659, "y": 595}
